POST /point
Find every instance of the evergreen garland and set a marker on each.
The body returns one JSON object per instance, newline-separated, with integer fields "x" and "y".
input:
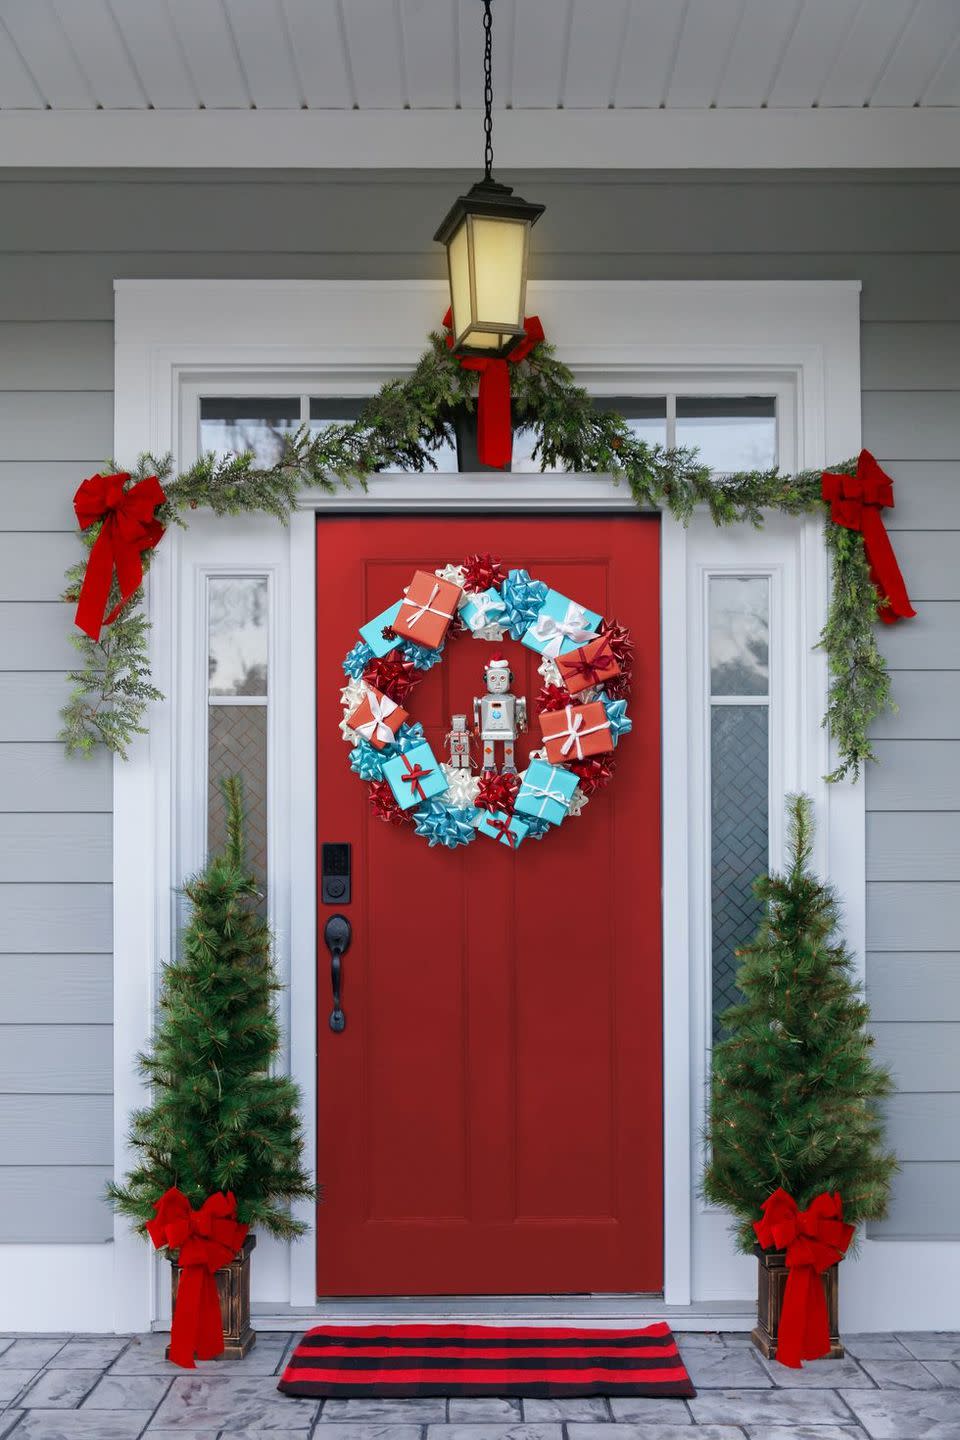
{"x": 400, "y": 428}
{"x": 794, "y": 1088}
{"x": 219, "y": 1120}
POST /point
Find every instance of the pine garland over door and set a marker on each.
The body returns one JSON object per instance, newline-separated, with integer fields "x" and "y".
{"x": 400, "y": 428}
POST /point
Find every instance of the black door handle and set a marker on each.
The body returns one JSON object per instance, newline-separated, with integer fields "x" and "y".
{"x": 337, "y": 935}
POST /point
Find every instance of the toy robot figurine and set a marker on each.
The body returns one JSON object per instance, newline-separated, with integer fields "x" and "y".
{"x": 498, "y": 716}
{"x": 458, "y": 743}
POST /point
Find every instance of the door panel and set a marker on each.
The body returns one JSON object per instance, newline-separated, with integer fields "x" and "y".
{"x": 490, "y": 1118}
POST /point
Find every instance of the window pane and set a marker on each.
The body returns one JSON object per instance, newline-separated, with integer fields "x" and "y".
{"x": 339, "y": 408}
{"x": 731, "y": 433}
{"x": 237, "y": 655}
{"x": 739, "y": 635}
{"x": 739, "y": 786}
{"x": 238, "y": 746}
{"x": 232, "y": 425}
{"x": 645, "y": 415}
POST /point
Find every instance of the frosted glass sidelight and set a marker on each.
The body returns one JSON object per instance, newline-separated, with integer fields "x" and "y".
{"x": 739, "y": 635}
{"x": 739, "y": 805}
{"x": 237, "y": 641}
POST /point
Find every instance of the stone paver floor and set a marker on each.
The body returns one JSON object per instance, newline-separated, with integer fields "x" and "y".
{"x": 890, "y": 1387}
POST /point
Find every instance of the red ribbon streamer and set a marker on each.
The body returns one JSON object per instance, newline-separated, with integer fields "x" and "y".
{"x": 494, "y": 424}
{"x": 855, "y": 503}
{"x": 206, "y": 1239}
{"x": 129, "y": 528}
{"x": 415, "y": 774}
{"x": 814, "y": 1239}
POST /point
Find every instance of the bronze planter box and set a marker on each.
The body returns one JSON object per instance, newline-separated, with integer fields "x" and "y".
{"x": 233, "y": 1287}
{"x": 772, "y": 1275}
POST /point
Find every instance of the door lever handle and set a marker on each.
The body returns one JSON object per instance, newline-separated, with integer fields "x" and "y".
{"x": 337, "y": 935}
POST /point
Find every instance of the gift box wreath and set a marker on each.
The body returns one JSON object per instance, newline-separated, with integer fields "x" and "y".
{"x": 480, "y": 600}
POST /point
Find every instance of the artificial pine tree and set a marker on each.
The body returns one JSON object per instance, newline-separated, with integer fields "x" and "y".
{"x": 219, "y": 1119}
{"x": 794, "y": 1091}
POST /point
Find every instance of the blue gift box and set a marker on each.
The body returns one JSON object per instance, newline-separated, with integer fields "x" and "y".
{"x": 399, "y": 767}
{"x": 487, "y": 608}
{"x": 492, "y": 822}
{"x": 546, "y": 791}
{"x": 581, "y": 625}
{"x": 372, "y": 632}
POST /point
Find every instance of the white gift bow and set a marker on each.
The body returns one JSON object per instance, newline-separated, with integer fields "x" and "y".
{"x": 572, "y": 627}
{"x": 428, "y": 608}
{"x": 548, "y": 794}
{"x": 484, "y": 603}
{"x": 380, "y": 707}
{"x": 575, "y": 731}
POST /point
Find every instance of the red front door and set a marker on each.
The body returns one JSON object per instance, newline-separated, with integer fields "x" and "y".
{"x": 490, "y": 1117}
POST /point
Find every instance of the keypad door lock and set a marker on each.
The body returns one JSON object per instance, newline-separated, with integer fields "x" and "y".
{"x": 335, "y": 874}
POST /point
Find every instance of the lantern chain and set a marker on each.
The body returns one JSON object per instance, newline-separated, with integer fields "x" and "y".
{"x": 487, "y": 90}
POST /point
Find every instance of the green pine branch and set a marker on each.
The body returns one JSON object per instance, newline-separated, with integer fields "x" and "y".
{"x": 218, "y": 1119}
{"x": 401, "y": 428}
{"x": 795, "y": 1090}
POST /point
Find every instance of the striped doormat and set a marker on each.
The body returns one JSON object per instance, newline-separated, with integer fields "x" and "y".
{"x": 385, "y": 1360}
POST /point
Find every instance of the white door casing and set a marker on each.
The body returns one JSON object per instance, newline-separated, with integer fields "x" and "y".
{"x": 173, "y": 338}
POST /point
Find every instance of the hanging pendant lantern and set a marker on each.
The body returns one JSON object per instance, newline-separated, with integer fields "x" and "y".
{"x": 487, "y": 235}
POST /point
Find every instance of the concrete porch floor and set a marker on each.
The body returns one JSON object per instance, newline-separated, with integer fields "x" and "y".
{"x": 890, "y": 1387}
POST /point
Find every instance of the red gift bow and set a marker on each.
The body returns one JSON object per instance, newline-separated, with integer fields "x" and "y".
{"x": 415, "y": 775}
{"x": 578, "y": 664}
{"x": 206, "y": 1239}
{"x": 494, "y": 425}
{"x": 503, "y": 830}
{"x": 855, "y": 503}
{"x": 814, "y": 1239}
{"x": 129, "y": 528}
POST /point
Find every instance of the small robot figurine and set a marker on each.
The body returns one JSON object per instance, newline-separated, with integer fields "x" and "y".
{"x": 498, "y": 716}
{"x": 458, "y": 743}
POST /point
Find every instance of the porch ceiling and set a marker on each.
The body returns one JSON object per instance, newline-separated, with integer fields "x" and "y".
{"x": 607, "y": 65}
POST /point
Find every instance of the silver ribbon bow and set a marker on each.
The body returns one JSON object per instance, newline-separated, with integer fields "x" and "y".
{"x": 575, "y": 731}
{"x": 483, "y": 606}
{"x": 572, "y": 627}
{"x": 426, "y": 609}
{"x": 376, "y": 728}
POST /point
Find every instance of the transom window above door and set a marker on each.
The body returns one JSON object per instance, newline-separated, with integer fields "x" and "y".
{"x": 731, "y": 432}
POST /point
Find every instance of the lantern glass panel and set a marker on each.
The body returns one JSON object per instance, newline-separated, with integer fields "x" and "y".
{"x": 459, "y": 261}
{"x": 499, "y": 258}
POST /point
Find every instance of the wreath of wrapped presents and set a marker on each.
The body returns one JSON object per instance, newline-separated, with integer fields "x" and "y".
{"x": 581, "y": 708}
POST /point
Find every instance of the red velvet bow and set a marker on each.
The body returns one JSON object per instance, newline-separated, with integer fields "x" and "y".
{"x": 855, "y": 503}
{"x": 129, "y": 528}
{"x": 494, "y": 425}
{"x": 814, "y": 1239}
{"x": 206, "y": 1239}
{"x": 415, "y": 773}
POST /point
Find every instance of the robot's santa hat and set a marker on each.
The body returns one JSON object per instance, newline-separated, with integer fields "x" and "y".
{"x": 497, "y": 662}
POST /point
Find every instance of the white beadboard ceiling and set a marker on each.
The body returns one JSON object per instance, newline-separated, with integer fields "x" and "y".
{"x": 426, "y": 54}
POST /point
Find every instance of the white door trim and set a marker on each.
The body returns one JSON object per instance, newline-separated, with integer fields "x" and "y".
{"x": 342, "y": 335}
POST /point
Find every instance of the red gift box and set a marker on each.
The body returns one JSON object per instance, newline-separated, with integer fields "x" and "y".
{"x": 575, "y": 731}
{"x": 427, "y": 609}
{"x": 590, "y": 665}
{"x": 377, "y": 719}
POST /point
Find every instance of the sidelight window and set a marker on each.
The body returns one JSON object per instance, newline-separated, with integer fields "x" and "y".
{"x": 238, "y": 689}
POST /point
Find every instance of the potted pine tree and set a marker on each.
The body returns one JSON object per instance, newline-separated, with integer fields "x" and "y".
{"x": 794, "y": 1096}
{"x": 219, "y": 1123}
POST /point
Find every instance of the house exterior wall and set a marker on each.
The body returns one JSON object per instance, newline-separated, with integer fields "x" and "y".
{"x": 63, "y": 241}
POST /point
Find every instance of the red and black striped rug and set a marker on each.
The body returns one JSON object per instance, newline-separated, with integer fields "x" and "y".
{"x": 384, "y": 1360}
